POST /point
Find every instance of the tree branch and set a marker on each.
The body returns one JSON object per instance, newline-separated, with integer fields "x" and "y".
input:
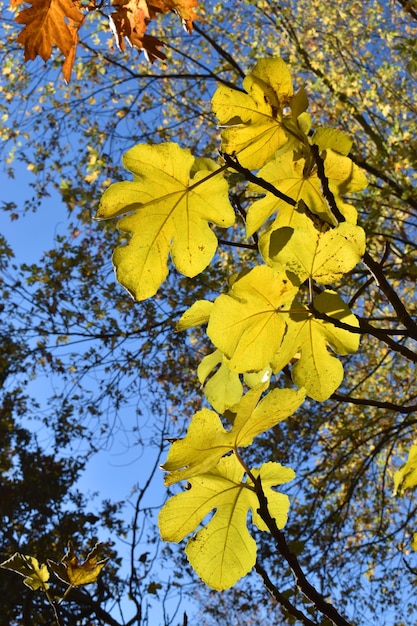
{"x": 381, "y": 405}
{"x": 302, "y": 583}
{"x": 280, "y": 598}
{"x": 232, "y": 162}
{"x": 375, "y": 268}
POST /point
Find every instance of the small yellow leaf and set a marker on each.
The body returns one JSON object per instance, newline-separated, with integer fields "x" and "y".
{"x": 301, "y": 184}
{"x": 74, "y": 573}
{"x": 223, "y": 389}
{"x": 318, "y": 371}
{"x": 207, "y": 440}
{"x": 323, "y": 255}
{"x": 406, "y": 476}
{"x": 197, "y": 314}
{"x": 35, "y": 576}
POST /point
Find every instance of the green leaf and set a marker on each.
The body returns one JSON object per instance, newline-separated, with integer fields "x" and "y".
{"x": 316, "y": 369}
{"x": 207, "y": 440}
{"x": 310, "y": 251}
{"x": 247, "y": 325}
{"x": 252, "y": 121}
{"x": 35, "y": 576}
{"x": 171, "y": 203}
{"x": 223, "y": 551}
{"x": 406, "y": 476}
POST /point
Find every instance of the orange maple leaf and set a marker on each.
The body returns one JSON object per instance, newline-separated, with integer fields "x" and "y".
{"x": 70, "y": 58}
{"x": 183, "y": 8}
{"x": 129, "y": 22}
{"x": 46, "y": 25}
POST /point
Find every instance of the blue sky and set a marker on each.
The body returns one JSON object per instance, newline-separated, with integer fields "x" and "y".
{"x": 119, "y": 469}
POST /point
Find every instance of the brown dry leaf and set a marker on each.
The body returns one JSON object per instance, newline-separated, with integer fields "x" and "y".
{"x": 74, "y": 573}
{"x": 46, "y": 26}
{"x": 129, "y": 22}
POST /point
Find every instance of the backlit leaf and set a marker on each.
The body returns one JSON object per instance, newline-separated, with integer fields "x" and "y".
{"x": 70, "y": 571}
{"x": 129, "y": 22}
{"x": 316, "y": 369}
{"x": 292, "y": 178}
{"x": 171, "y": 203}
{"x": 223, "y": 389}
{"x": 252, "y": 121}
{"x": 223, "y": 551}
{"x": 47, "y": 25}
{"x": 207, "y": 440}
{"x": 323, "y": 254}
{"x": 406, "y": 476}
{"x": 197, "y": 314}
{"x": 34, "y": 575}
{"x": 247, "y": 325}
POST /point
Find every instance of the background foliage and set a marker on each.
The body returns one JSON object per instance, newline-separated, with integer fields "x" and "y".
{"x": 66, "y": 318}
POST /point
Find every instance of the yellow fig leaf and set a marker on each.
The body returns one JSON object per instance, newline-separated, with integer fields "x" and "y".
{"x": 70, "y": 571}
{"x": 35, "y": 576}
{"x": 223, "y": 389}
{"x": 223, "y": 551}
{"x": 301, "y": 184}
{"x": 406, "y": 476}
{"x": 247, "y": 324}
{"x": 207, "y": 440}
{"x": 333, "y": 139}
{"x": 252, "y": 121}
{"x": 171, "y": 202}
{"x": 323, "y": 254}
{"x": 318, "y": 371}
{"x": 196, "y": 315}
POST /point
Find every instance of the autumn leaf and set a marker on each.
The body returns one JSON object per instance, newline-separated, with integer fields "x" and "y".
{"x": 223, "y": 551}
{"x": 129, "y": 22}
{"x": 313, "y": 251}
{"x": 406, "y": 476}
{"x": 35, "y": 576}
{"x": 171, "y": 203}
{"x": 207, "y": 440}
{"x": 47, "y": 24}
{"x": 309, "y": 338}
{"x": 301, "y": 184}
{"x": 70, "y": 571}
{"x": 223, "y": 389}
{"x": 252, "y": 121}
{"x": 68, "y": 64}
{"x": 247, "y": 324}
{"x": 197, "y": 314}
{"x": 183, "y": 8}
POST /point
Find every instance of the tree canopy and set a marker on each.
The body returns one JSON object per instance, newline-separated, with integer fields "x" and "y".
{"x": 312, "y": 107}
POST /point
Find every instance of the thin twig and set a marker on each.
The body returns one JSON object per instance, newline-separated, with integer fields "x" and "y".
{"x": 280, "y": 598}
